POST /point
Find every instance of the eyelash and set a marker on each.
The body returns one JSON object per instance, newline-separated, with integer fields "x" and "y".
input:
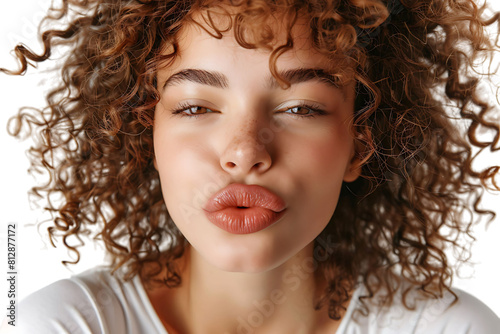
{"x": 315, "y": 109}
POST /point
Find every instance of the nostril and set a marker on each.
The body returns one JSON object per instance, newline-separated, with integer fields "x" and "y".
{"x": 231, "y": 164}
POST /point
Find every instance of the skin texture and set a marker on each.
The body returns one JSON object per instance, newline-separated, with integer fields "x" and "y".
{"x": 249, "y": 136}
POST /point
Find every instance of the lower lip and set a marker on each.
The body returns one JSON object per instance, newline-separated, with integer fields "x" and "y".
{"x": 244, "y": 221}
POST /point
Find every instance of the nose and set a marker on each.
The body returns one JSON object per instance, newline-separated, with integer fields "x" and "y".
{"x": 245, "y": 154}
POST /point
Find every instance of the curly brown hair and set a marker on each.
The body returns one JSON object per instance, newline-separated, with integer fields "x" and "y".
{"x": 414, "y": 66}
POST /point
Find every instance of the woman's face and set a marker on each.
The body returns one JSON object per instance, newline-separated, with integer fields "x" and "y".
{"x": 295, "y": 142}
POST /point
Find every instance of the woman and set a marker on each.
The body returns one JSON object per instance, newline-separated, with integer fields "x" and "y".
{"x": 264, "y": 167}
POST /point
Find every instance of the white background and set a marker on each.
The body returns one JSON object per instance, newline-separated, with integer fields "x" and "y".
{"x": 38, "y": 263}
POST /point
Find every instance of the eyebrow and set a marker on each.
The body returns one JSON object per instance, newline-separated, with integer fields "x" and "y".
{"x": 209, "y": 78}
{"x": 299, "y": 75}
{"x": 219, "y": 80}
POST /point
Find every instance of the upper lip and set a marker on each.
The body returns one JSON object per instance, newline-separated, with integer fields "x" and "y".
{"x": 235, "y": 195}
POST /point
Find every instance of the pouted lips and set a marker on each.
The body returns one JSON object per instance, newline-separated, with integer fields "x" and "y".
{"x": 242, "y": 209}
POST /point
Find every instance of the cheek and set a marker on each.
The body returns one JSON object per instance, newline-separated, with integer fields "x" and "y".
{"x": 317, "y": 165}
{"x": 322, "y": 157}
{"x": 186, "y": 172}
{"x": 176, "y": 164}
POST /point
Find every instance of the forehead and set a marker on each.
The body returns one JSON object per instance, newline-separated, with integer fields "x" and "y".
{"x": 279, "y": 38}
{"x": 194, "y": 39}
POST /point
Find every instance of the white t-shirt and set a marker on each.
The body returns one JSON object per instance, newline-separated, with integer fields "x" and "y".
{"x": 97, "y": 302}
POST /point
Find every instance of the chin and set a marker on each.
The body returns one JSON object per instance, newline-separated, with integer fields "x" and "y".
{"x": 250, "y": 262}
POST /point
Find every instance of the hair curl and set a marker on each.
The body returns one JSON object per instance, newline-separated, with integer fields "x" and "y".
{"x": 414, "y": 65}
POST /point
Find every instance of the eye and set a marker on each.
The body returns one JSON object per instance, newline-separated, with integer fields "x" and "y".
{"x": 300, "y": 110}
{"x": 191, "y": 110}
{"x": 303, "y": 110}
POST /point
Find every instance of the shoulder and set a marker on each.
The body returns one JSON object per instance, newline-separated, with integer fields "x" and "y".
{"x": 467, "y": 315}
{"x": 85, "y": 303}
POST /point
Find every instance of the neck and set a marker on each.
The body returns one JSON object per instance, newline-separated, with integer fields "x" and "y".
{"x": 210, "y": 300}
